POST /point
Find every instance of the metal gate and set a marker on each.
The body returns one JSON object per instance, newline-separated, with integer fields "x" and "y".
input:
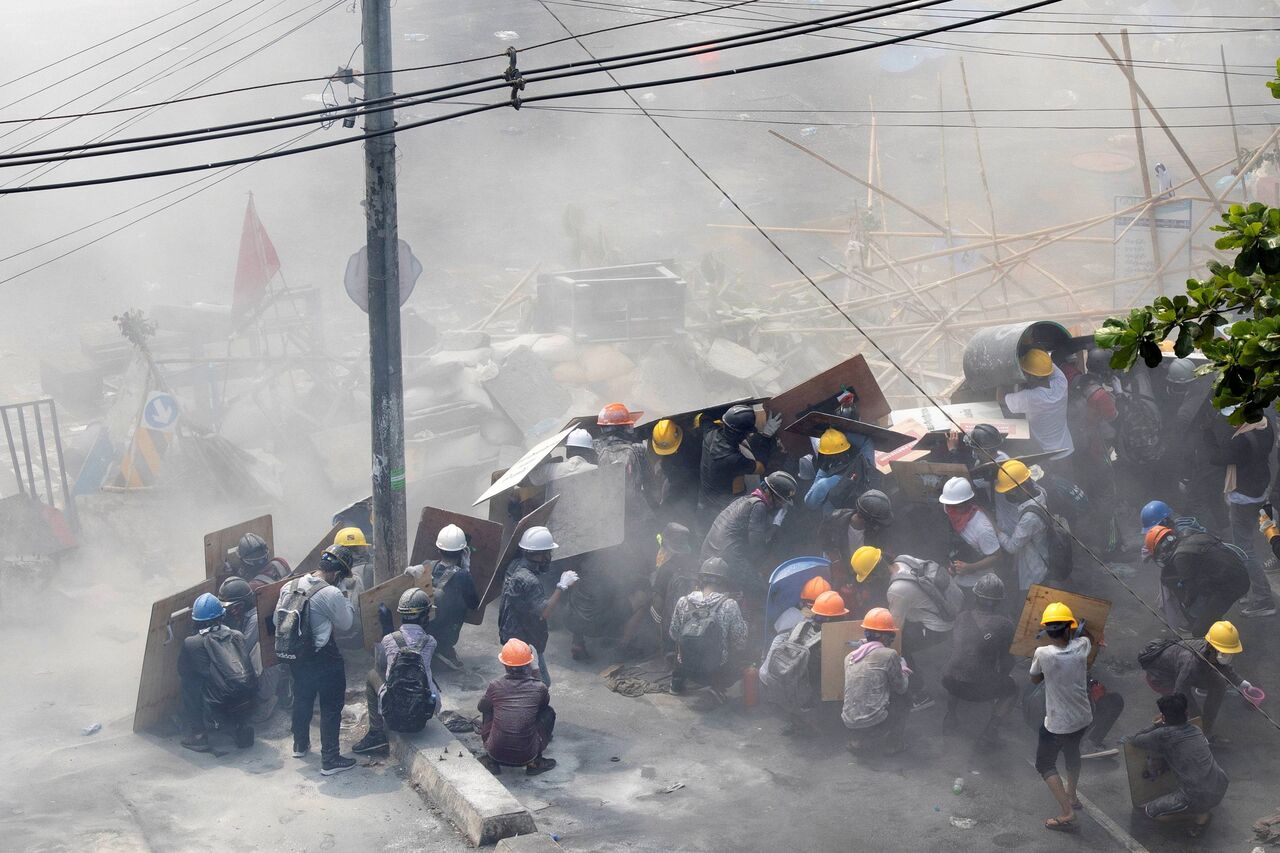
{"x": 35, "y": 457}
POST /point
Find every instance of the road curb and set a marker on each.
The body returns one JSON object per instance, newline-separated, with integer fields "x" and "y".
{"x": 460, "y": 786}
{"x": 528, "y": 844}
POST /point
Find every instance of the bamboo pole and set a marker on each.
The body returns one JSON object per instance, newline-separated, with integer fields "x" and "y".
{"x": 1231, "y": 111}
{"x": 841, "y": 232}
{"x": 1142, "y": 153}
{"x": 506, "y": 299}
{"x": 982, "y": 170}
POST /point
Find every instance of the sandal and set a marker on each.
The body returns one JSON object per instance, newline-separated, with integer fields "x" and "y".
{"x": 1057, "y": 824}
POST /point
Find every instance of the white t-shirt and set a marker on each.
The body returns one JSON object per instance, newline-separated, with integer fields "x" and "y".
{"x": 980, "y": 535}
{"x": 1066, "y": 685}
{"x": 1046, "y": 411}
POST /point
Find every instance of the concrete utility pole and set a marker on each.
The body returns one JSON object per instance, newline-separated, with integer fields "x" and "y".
{"x": 386, "y": 388}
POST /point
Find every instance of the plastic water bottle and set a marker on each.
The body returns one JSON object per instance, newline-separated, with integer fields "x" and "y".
{"x": 957, "y": 787}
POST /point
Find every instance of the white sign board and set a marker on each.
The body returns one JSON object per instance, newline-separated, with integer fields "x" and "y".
{"x": 517, "y": 472}
{"x": 1133, "y": 255}
{"x": 968, "y": 415}
{"x": 161, "y": 412}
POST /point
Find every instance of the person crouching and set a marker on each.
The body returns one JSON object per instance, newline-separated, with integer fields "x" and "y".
{"x": 516, "y": 717}
{"x": 876, "y": 705}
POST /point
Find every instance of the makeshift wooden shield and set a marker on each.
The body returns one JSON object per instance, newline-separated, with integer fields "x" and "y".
{"x": 159, "y": 690}
{"x": 311, "y": 562}
{"x": 836, "y": 637}
{"x": 388, "y": 593}
{"x": 814, "y": 424}
{"x": 538, "y": 518}
{"x": 1149, "y": 777}
{"x": 517, "y": 472}
{"x": 1092, "y": 611}
{"x": 590, "y": 510}
{"x": 821, "y": 390}
{"x": 486, "y": 542}
{"x": 685, "y": 419}
{"x": 219, "y": 542}
{"x": 921, "y": 482}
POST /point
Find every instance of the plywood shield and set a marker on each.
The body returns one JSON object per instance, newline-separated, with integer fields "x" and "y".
{"x": 1092, "y": 611}
{"x": 1148, "y": 776}
{"x": 921, "y": 482}
{"x": 486, "y": 542}
{"x": 311, "y": 562}
{"x": 821, "y": 391}
{"x": 159, "y": 690}
{"x": 217, "y": 543}
{"x": 814, "y": 424}
{"x": 517, "y": 472}
{"x": 590, "y": 511}
{"x": 538, "y": 518}
{"x": 836, "y": 637}
{"x": 388, "y": 593}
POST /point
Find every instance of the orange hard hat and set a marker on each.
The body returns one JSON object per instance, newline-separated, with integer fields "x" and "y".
{"x": 516, "y": 653}
{"x": 616, "y": 414}
{"x": 878, "y": 619}
{"x": 830, "y": 603}
{"x": 813, "y": 588}
{"x": 1155, "y": 536}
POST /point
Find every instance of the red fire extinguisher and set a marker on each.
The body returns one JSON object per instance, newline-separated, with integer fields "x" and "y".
{"x": 750, "y": 686}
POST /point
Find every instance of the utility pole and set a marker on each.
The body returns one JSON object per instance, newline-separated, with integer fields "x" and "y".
{"x": 386, "y": 389}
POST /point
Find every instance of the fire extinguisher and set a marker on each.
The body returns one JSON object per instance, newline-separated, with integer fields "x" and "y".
{"x": 750, "y": 686}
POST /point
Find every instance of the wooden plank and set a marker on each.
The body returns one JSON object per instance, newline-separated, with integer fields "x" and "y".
{"x": 311, "y": 562}
{"x": 1145, "y": 786}
{"x": 486, "y": 543}
{"x": 537, "y": 518}
{"x": 836, "y": 637}
{"x": 217, "y": 543}
{"x": 388, "y": 593}
{"x": 921, "y": 481}
{"x": 159, "y": 690}
{"x": 821, "y": 391}
{"x": 1093, "y": 611}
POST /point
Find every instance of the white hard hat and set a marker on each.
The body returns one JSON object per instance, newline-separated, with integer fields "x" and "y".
{"x": 451, "y": 538}
{"x": 957, "y": 490}
{"x": 580, "y": 438}
{"x": 537, "y": 539}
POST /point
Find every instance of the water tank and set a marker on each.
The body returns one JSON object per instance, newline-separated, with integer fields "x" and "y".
{"x": 991, "y": 357}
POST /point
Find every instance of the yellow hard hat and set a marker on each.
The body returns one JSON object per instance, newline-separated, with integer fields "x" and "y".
{"x": 863, "y": 561}
{"x": 666, "y": 437}
{"x": 1011, "y": 475}
{"x": 1224, "y": 637}
{"x": 1036, "y": 362}
{"x": 833, "y": 441}
{"x": 350, "y": 536}
{"x": 1058, "y": 612}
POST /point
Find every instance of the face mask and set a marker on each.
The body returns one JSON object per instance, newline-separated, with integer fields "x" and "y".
{"x": 1225, "y": 658}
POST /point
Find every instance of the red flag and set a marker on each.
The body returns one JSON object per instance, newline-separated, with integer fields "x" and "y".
{"x": 257, "y": 265}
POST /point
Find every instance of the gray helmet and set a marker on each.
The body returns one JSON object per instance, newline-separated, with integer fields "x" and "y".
{"x": 714, "y": 568}
{"x": 1181, "y": 371}
{"x": 414, "y": 603}
{"x": 740, "y": 418}
{"x": 337, "y": 558}
{"x": 235, "y": 591}
{"x": 875, "y": 505}
{"x": 1099, "y": 361}
{"x": 252, "y": 551}
{"x": 989, "y": 587}
{"x": 781, "y": 484}
{"x": 677, "y": 539}
{"x": 984, "y": 437}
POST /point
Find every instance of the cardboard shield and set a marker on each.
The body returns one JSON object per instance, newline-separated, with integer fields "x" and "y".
{"x": 486, "y": 542}
{"x": 217, "y": 543}
{"x": 921, "y": 481}
{"x": 590, "y": 510}
{"x": 517, "y": 472}
{"x": 159, "y": 689}
{"x": 821, "y": 390}
{"x": 814, "y": 424}
{"x": 836, "y": 637}
{"x": 988, "y": 469}
{"x": 1092, "y": 611}
{"x": 968, "y": 415}
{"x": 538, "y": 518}
{"x": 1149, "y": 777}
{"x": 787, "y": 581}
{"x": 388, "y": 593}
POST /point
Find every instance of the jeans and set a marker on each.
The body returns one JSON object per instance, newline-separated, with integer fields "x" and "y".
{"x": 915, "y": 639}
{"x": 1244, "y": 535}
{"x": 371, "y": 688}
{"x": 323, "y": 677}
{"x": 540, "y": 661}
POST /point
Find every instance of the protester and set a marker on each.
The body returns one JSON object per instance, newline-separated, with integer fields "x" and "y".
{"x": 802, "y": 610}
{"x": 1157, "y": 513}
{"x": 731, "y": 452}
{"x": 1185, "y": 751}
{"x": 524, "y": 607}
{"x": 1188, "y": 666}
{"x": 1244, "y": 455}
{"x": 219, "y": 683}
{"x": 1199, "y": 571}
{"x": 254, "y": 563}
{"x": 516, "y": 717}
{"x": 980, "y": 661}
{"x": 791, "y": 674}
{"x": 675, "y": 575}
{"x": 846, "y": 530}
{"x": 310, "y": 612}
{"x": 1028, "y": 543}
{"x": 401, "y": 697}
{"x": 673, "y": 459}
{"x": 1043, "y": 400}
{"x": 843, "y": 471}
{"x": 579, "y": 457}
{"x": 743, "y": 530}
{"x": 353, "y": 539}
{"x": 876, "y": 678}
{"x": 975, "y": 549}
{"x": 872, "y": 574}
{"x": 925, "y": 604}
{"x": 242, "y": 613}
{"x": 455, "y": 592}
{"x": 709, "y": 632}
{"x": 1062, "y": 666}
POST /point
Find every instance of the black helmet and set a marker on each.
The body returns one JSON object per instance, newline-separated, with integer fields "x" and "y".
{"x": 781, "y": 484}
{"x": 740, "y": 418}
{"x": 414, "y": 604}
{"x": 253, "y": 551}
{"x": 875, "y": 505}
{"x": 989, "y": 587}
{"x": 1099, "y": 361}
{"x": 235, "y": 591}
{"x": 677, "y": 539}
{"x": 984, "y": 437}
{"x": 337, "y": 558}
{"x": 714, "y": 568}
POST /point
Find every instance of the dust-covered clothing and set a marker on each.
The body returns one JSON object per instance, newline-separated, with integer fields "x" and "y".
{"x": 723, "y": 465}
{"x": 1185, "y": 749}
{"x": 910, "y": 602}
{"x": 384, "y": 654}
{"x": 739, "y": 536}
{"x": 1180, "y": 668}
{"x": 726, "y": 613}
{"x": 1046, "y": 411}
{"x": 1029, "y": 542}
{"x": 1066, "y": 685}
{"x": 555, "y": 469}
{"x": 195, "y": 668}
{"x": 521, "y": 606}
{"x": 516, "y": 720}
{"x": 873, "y": 674}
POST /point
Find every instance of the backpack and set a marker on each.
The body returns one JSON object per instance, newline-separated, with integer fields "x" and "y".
{"x": 785, "y": 674}
{"x": 232, "y": 681}
{"x": 701, "y": 639}
{"x": 1152, "y": 650}
{"x": 407, "y": 702}
{"x": 293, "y": 629}
{"x": 936, "y": 583}
{"x": 1058, "y": 556}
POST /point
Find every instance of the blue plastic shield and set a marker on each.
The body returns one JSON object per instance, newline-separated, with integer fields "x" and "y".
{"x": 788, "y": 580}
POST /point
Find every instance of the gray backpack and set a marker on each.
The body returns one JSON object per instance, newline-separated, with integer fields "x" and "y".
{"x": 785, "y": 675}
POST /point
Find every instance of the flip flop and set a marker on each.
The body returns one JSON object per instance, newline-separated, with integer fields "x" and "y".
{"x": 1057, "y": 824}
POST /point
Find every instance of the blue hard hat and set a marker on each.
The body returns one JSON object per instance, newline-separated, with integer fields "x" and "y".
{"x": 1154, "y": 513}
{"x": 207, "y": 608}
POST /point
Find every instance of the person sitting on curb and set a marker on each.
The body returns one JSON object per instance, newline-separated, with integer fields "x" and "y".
{"x": 709, "y": 632}
{"x": 516, "y": 717}
{"x": 876, "y": 704}
{"x": 1185, "y": 751}
{"x": 402, "y": 698}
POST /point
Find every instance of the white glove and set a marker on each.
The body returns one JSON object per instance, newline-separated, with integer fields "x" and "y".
{"x": 780, "y": 515}
{"x": 771, "y": 426}
{"x": 567, "y": 579}
{"x": 1244, "y": 685}
{"x": 1264, "y": 521}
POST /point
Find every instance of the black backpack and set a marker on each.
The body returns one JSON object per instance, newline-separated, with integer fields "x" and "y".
{"x": 1058, "y": 556}
{"x": 407, "y": 702}
{"x": 293, "y": 622}
{"x": 232, "y": 681}
{"x": 701, "y": 639}
{"x": 1152, "y": 651}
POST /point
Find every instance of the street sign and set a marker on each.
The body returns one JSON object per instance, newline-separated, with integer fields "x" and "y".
{"x": 161, "y": 412}
{"x": 356, "y": 279}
